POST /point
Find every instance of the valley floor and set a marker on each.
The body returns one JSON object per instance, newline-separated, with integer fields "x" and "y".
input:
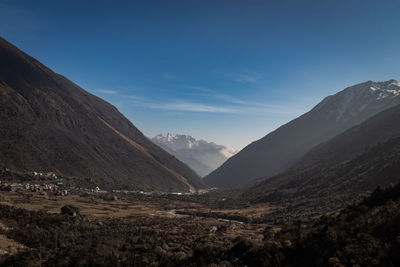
{"x": 125, "y": 229}
{"x": 172, "y": 225}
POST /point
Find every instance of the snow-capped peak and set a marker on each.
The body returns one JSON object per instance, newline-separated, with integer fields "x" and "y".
{"x": 202, "y": 156}
{"x": 360, "y": 98}
{"x": 386, "y": 89}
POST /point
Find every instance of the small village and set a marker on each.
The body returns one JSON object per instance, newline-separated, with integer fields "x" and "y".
{"x": 48, "y": 182}
{"x": 44, "y": 183}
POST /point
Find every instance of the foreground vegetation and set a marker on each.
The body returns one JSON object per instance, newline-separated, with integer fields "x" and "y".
{"x": 366, "y": 234}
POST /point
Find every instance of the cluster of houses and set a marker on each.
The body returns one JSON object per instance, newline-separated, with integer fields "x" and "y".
{"x": 57, "y": 186}
{"x": 44, "y": 175}
{"x": 44, "y": 188}
{"x": 43, "y": 182}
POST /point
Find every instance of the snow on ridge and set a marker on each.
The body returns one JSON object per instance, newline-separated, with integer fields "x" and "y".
{"x": 180, "y": 141}
{"x": 202, "y": 156}
{"x": 357, "y": 98}
{"x": 388, "y": 93}
{"x": 386, "y": 89}
{"x": 395, "y": 83}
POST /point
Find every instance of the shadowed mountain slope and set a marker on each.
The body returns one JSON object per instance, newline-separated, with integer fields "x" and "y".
{"x": 281, "y": 148}
{"x": 342, "y": 169}
{"x": 49, "y": 123}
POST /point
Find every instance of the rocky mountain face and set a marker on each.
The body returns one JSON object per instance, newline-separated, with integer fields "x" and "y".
{"x": 202, "y": 156}
{"x": 49, "y": 123}
{"x": 340, "y": 170}
{"x": 281, "y": 148}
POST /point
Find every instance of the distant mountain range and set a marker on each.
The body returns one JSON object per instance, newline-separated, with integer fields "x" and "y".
{"x": 280, "y": 149}
{"x": 48, "y": 123}
{"x": 202, "y": 156}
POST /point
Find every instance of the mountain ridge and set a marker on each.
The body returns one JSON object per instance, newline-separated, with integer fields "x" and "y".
{"x": 50, "y": 123}
{"x": 281, "y": 148}
{"x": 348, "y": 165}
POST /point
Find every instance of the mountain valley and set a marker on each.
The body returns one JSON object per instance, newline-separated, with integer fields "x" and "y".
{"x": 80, "y": 185}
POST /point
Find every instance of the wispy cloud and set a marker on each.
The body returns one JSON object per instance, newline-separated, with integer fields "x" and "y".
{"x": 107, "y": 92}
{"x": 243, "y": 77}
{"x": 230, "y": 106}
{"x": 192, "y": 107}
{"x": 247, "y": 106}
{"x": 179, "y": 105}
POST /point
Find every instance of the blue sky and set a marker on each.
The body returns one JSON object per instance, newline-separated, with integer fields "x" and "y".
{"x": 226, "y": 71}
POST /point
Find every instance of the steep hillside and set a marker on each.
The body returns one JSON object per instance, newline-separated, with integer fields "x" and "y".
{"x": 202, "y": 156}
{"x": 49, "y": 123}
{"x": 281, "y": 148}
{"x": 342, "y": 169}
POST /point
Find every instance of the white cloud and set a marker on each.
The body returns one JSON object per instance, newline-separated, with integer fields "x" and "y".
{"x": 247, "y": 106}
{"x": 193, "y": 107}
{"x": 179, "y": 105}
{"x": 230, "y": 107}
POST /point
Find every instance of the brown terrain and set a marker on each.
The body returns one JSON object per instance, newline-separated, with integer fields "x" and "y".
{"x": 48, "y": 225}
{"x": 183, "y": 219}
{"x": 48, "y": 123}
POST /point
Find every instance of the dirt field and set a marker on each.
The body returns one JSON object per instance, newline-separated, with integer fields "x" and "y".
{"x": 122, "y": 206}
{"x": 152, "y": 208}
